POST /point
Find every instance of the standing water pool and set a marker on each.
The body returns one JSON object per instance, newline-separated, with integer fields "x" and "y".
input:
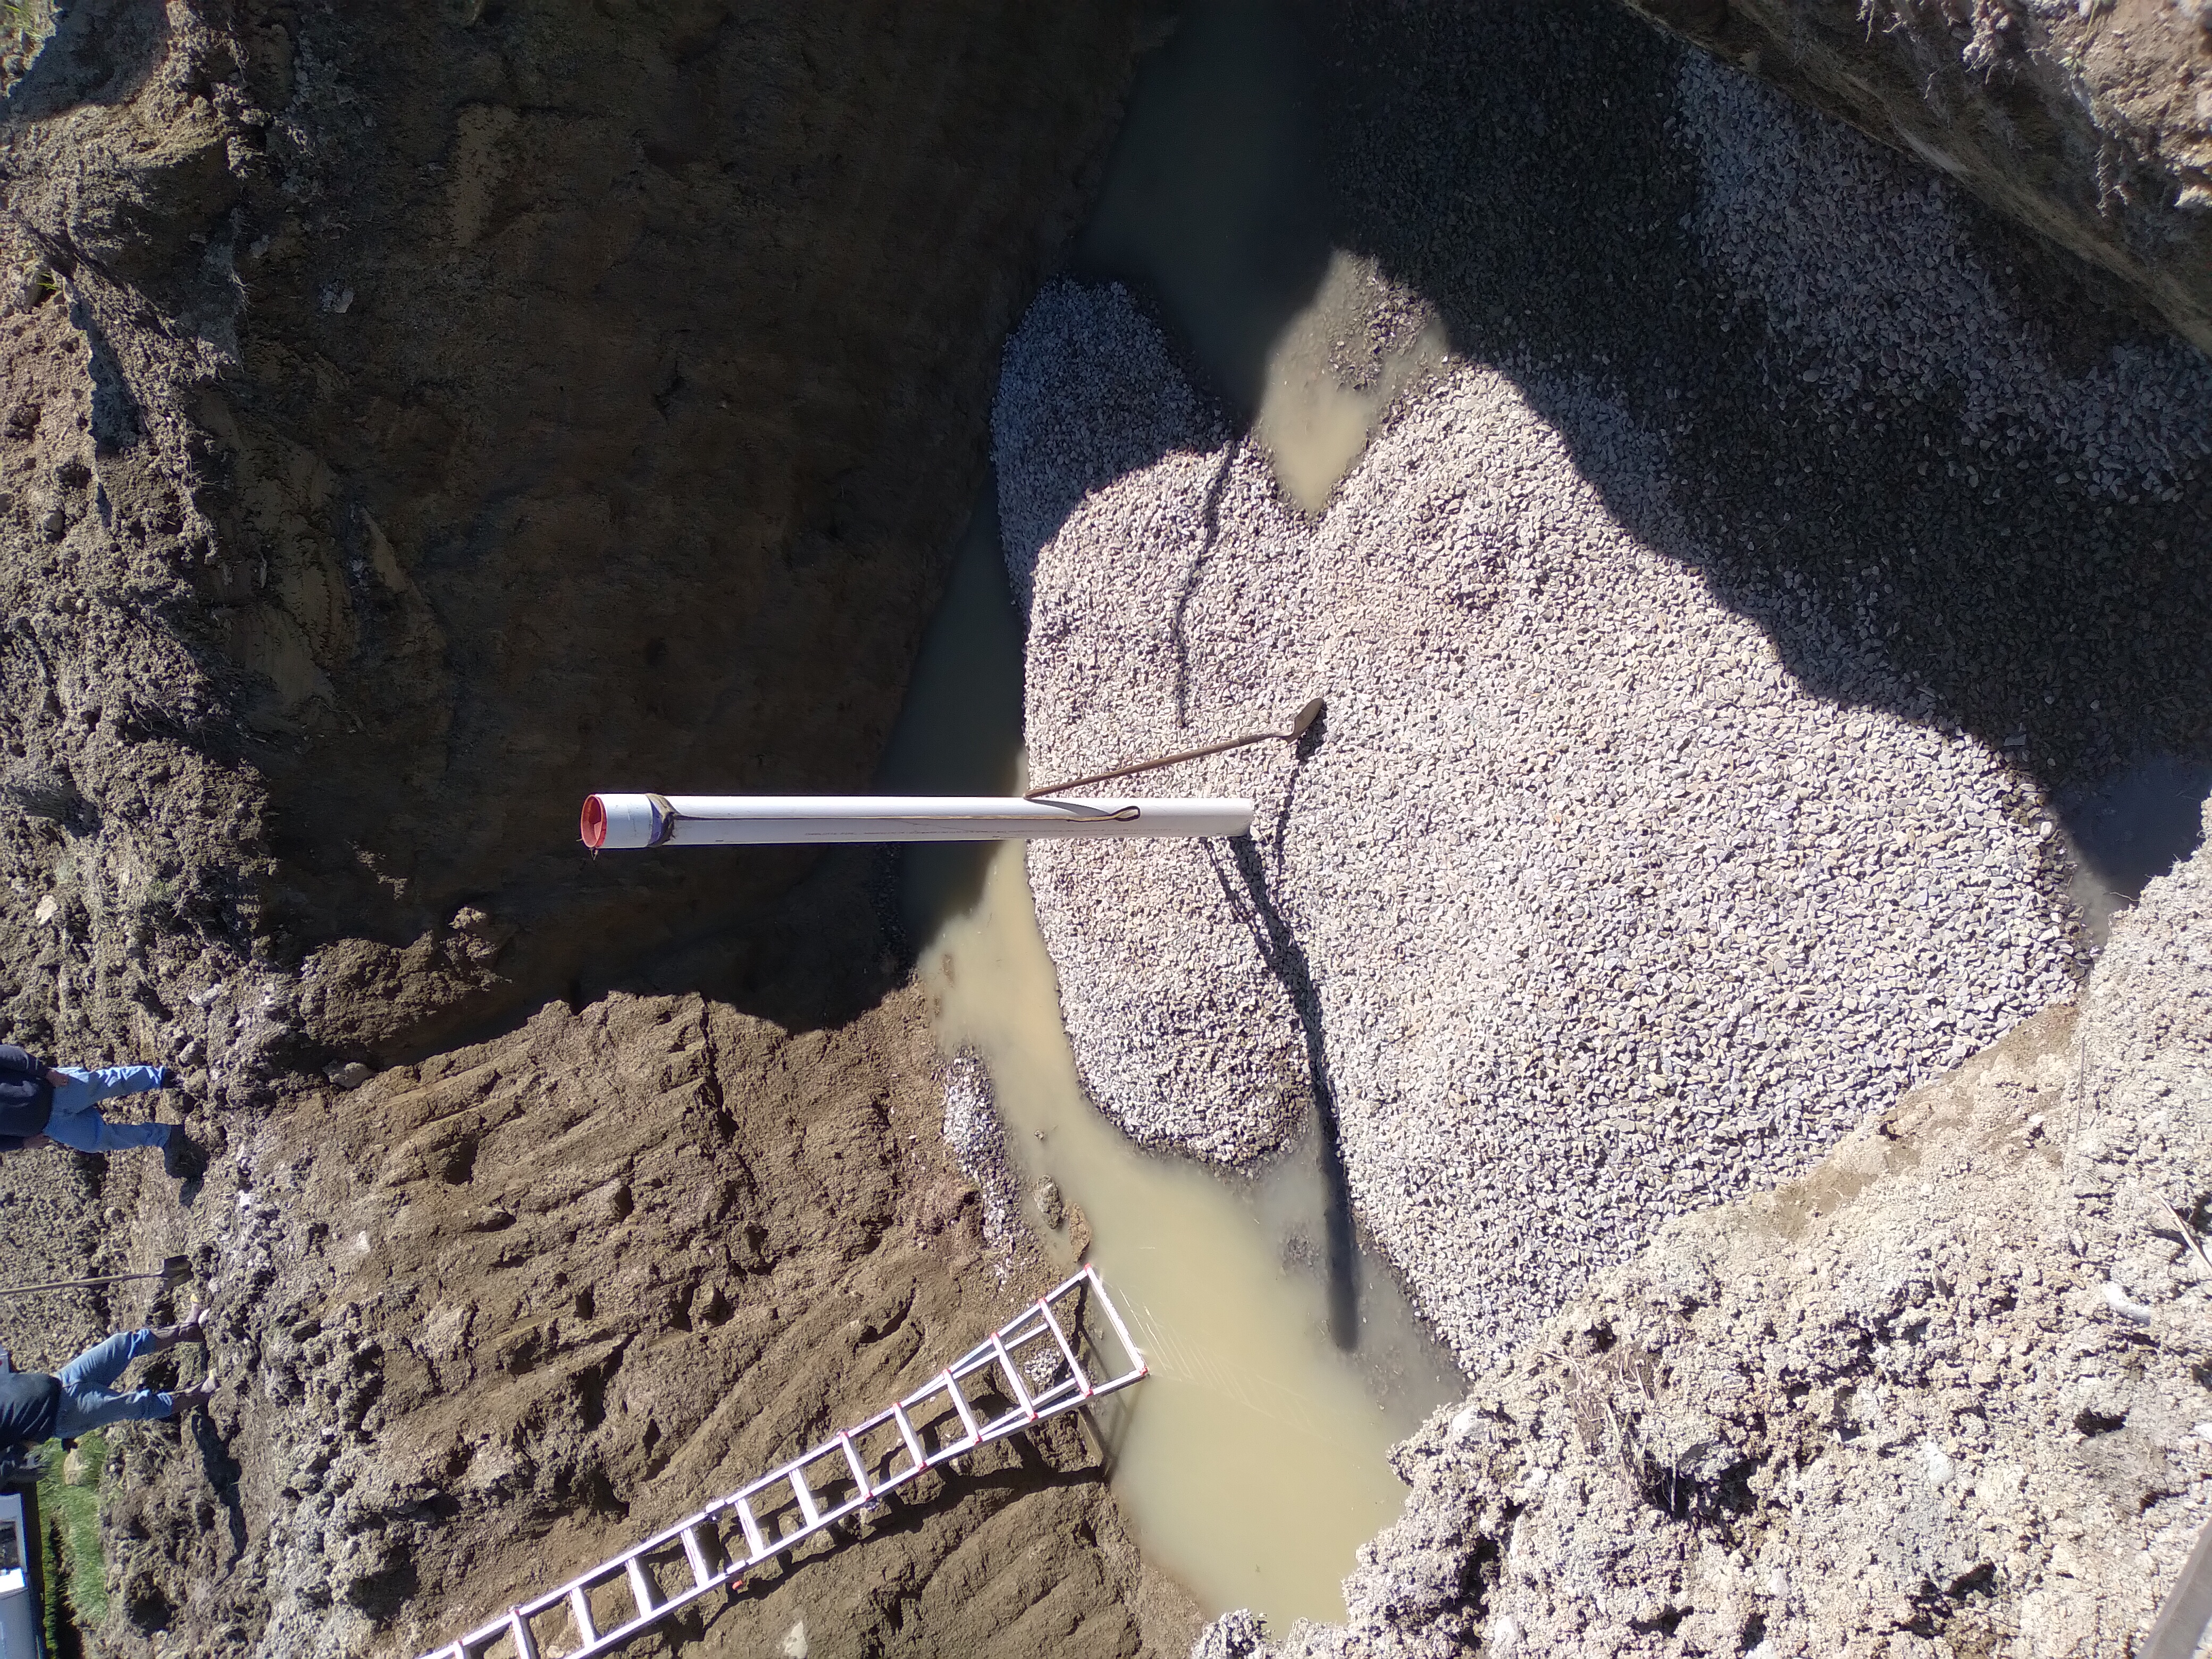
{"x": 1253, "y": 1463}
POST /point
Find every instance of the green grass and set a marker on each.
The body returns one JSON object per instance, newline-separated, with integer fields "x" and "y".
{"x": 72, "y": 1514}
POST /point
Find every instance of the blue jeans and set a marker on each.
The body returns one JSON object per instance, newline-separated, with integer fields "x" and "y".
{"x": 87, "y": 1404}
{"x": 77, "y": 1122}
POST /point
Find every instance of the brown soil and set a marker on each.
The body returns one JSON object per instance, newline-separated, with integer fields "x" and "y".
{"x": 419, "y": 420}
{"x": 494, "y": 1316}
{"x": 408, "y": 422}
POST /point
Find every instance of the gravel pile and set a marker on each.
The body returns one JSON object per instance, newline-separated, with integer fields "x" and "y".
{"x": 1595, "y": 914}
{"x": 1698, "y": 669}
{"x": 1602, "y": 918}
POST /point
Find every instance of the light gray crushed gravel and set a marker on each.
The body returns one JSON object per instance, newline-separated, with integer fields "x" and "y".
{"x": 1604, "y": 918}
{"x": 1136, "y": 406}
{"x": 978, "y": 1144}
{"x": 1942, "y": 1396}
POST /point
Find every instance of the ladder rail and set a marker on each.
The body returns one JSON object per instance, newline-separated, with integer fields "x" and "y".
{"x": 652, "y": 1604}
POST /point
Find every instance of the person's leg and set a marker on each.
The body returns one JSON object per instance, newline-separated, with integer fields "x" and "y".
{"x": 86, "y": 1408}
{"x": 90, "y": 1087}
{"x": 103, "y": 1362}
{"x": 82, "y": 1128}
{"x": 75, "y": 1121}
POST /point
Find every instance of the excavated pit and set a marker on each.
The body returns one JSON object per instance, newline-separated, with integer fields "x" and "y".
{"x": 412, "y": 422}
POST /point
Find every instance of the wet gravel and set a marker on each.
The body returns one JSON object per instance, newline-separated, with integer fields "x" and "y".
{"x": 1645, "y": 848}
{"x": 978, "y": 1143}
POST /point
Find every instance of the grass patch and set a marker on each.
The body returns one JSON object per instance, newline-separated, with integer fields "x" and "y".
{"x": 72, "y": 1516}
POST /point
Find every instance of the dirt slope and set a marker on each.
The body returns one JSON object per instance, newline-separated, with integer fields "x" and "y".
{"x": 409, "y": 421}
{"x": 418, "y": 420}
{"x": 492, "y": 1317}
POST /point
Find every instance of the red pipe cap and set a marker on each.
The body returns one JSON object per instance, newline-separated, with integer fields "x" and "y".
{"x": 595, "y": 823}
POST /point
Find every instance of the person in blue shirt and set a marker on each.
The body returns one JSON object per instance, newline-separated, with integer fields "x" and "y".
{"x": 43, "y": 1105}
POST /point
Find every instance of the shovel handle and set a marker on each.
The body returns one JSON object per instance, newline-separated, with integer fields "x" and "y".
{"x": 175, "y": 1267}
{"x": 1300, "y": 724}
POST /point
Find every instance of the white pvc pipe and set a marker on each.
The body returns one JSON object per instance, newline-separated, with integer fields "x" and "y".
{"x": 619, "y": 821}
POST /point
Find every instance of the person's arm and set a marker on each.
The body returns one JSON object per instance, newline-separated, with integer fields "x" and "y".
{"x": 55, "y": 1076}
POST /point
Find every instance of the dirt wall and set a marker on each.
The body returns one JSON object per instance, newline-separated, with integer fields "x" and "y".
{"x": 411, "y": 421}
{"x": 422, "y": 419}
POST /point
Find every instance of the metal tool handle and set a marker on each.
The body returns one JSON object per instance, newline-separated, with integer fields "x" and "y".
{"x": 1299, "y": 727}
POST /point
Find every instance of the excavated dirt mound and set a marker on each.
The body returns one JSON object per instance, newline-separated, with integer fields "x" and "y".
{"x": 490, "y": 1317}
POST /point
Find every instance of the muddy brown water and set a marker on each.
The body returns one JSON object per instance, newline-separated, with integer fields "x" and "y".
{"x": 1251, "y": 1462}
{"x": 1212, "y": 207}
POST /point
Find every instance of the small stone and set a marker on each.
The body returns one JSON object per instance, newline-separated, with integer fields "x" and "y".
{"x": 349, "y": 1074}
{"x": 77, "y": 1469}
{"x": 1049, "y": 1208}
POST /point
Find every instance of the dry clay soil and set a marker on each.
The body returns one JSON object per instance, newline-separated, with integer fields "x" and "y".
{"x": 401, "y": 417}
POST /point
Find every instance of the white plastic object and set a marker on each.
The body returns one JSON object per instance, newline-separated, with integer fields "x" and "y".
{"x": 622, "y": 821}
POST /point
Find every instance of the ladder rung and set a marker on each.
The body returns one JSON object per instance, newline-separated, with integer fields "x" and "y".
{"x": 1014, "y": 1377}
{"x": 642, "y": 1589}
{"x": 1068, "y": 1348}
{"x": 525, "y": 1647}
{"x": 756, "y": 1546}
{"x": 580, "y": 1609}
{"x": 913, "y": 1440}
{"x": 960, "y": 1404}
{"x": 860, "y": 1474}
{"x": 804, "y": 1493}
{"x": 701, "y": 1572}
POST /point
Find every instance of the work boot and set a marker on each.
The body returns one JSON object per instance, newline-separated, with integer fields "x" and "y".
{"x": 192, "y": 1327}
{"x": 199, "y": 1395}
{"x": 182, "y": 1156}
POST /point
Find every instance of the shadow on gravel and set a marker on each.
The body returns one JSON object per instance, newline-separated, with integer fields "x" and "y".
{"x": 1523, "y": 168}
{"x": 1526, "y": 169}
{"x": 1286, "y": 960}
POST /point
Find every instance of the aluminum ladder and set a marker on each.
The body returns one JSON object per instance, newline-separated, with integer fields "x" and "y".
{"x": 1033, "y": 1365}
